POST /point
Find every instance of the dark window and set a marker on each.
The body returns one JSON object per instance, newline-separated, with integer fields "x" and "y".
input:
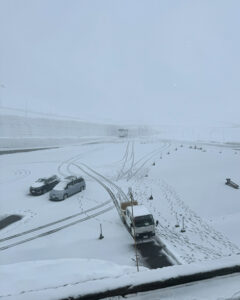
{"x": 144, "y": 221}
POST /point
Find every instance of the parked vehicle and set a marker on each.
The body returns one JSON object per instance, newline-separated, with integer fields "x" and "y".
{"x": 69, "y": 186}
{"x": 122, "y": 132}
{"x": 43, "y": 185}
{"x": 139, "y": 218}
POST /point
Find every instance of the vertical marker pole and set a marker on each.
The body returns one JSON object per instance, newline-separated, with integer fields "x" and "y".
{"x": 134, "y": 232}
{"x": 183, "y": 228}
{"x": 101, "y": 235}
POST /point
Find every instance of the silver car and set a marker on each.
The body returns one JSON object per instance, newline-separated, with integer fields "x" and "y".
{"x": 69, "y": 186}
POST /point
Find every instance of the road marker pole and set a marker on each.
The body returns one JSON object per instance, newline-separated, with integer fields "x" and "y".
{"x": 101, "y": 235}
{"x": 134, "y": 232}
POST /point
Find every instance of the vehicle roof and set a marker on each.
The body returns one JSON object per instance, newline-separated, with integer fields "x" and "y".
{"x": 41, "y": 178}
{"x": 139, "y": 210}
{"x": 61, "y": 185}
{"x": 53, "y": 176}
{"x": 46, "y": 178}
{"x": 71, "y": 177}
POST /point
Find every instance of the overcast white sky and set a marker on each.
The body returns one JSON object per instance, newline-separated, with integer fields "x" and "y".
{"x": 133, "y": 61}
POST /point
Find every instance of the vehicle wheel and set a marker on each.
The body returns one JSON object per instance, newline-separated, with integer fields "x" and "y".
{"x": 65, "y": 196}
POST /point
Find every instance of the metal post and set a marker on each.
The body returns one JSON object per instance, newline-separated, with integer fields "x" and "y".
{"x": 101, "y": 235}
{"x": 134, "y": 232}
{"x": 183, "y": 228}
{"x": 177, "y": 222}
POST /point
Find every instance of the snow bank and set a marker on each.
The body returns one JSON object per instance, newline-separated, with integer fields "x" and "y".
{"x": 79, "y": 277}
{"x": 17, "y": 126}
{"x": 30, "y": 277}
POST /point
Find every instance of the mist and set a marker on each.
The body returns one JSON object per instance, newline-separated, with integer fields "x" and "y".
{"x": 136, "y": 62}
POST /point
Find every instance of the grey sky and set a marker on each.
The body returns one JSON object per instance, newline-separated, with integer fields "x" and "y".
{"x": 132, "y": 61}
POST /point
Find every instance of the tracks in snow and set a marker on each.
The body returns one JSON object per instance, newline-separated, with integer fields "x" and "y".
{"x": 130, "y": 168}
{"x": 83, "y": 168}
{"x": 18, "y": 174}
{"x": 63, "y": 170}
{"x": 199, "y": 242}
{"x": 113, "y": 190}
{"x": 210, "y": 244}
{"x": 100, "y": 209}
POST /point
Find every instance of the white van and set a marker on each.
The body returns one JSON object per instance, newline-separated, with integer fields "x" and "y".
{"x": 142, "y": 219}
{"x": 69, "y": 186}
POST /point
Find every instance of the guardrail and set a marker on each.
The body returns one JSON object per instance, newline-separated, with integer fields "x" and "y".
{"x": 161, "y": 278}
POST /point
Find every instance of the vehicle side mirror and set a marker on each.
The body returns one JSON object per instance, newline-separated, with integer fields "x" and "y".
{"x": 157, "y": 222}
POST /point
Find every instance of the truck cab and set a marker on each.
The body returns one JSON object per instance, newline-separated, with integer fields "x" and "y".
{"x": 138, "y": 217}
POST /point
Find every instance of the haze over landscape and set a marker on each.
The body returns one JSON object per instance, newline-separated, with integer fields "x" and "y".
{"x": 151, "y": 62}
{"x": 119, "y": 149}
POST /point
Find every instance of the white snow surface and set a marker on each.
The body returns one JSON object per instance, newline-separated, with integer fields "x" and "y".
{"x": 34, "y": 277}
{"x": 61, "y": 185}
{"x": 37, "y": 183}
{"x": 185, "y": 183}
{"x": 78, "y": 277}
{"x": 139, "y": 210}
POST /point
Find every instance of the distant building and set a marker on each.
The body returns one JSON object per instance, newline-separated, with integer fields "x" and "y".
{"x": 122, "y": 132}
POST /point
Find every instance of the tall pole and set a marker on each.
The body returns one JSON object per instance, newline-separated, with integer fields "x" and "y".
{"x": 134, "y": 232}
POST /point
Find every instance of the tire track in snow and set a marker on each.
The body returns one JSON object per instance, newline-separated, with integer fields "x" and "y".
{"x": 19, "y": 175}
{"x": 57, "y": 229}
{"x": 203, "y": 242}
{"x": 55, "y": 222}
{"x": 134, "y": 169}
{"x": 125, "y": 158}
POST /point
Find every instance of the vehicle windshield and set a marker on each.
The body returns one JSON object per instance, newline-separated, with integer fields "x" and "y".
{"x": 144, "y": 221}
{"x": 61, "y": 186}
{"x": 41, "y": 180}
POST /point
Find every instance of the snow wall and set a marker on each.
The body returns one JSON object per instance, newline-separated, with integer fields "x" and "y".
{"x": 23, "y": 132}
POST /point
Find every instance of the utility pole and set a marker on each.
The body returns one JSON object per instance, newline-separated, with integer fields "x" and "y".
{"x": 134, "y": 232}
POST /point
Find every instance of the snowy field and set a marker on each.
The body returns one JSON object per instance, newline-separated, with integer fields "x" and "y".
{"x": 186, "y": 184}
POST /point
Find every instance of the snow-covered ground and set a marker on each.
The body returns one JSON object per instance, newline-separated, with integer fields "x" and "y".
{"x": 214, "y": 133}
{"x": 78, "y": 277}
{"x": 184, "y": 182}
